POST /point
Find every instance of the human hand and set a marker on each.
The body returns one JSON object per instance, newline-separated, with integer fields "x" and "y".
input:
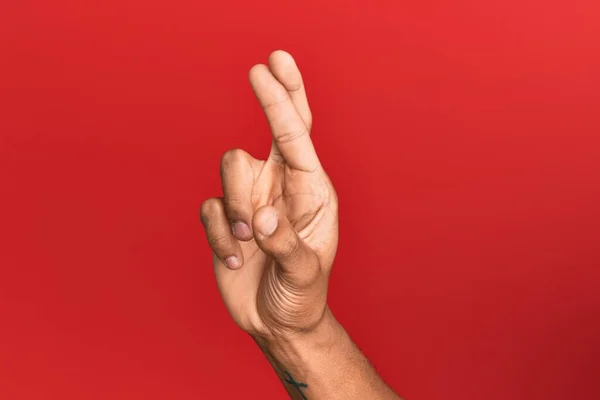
{"x": 274, "y": 233}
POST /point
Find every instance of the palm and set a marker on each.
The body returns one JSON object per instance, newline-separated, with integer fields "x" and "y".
{"x": 308, "y": 201}
{"x": 263, "y": 294}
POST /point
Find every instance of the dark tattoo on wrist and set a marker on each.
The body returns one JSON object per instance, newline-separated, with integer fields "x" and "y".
{"x": 299, "y": 386}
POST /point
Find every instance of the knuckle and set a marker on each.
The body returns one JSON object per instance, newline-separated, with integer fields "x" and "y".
{"x": 218, "y": 241}
{"x": 209, "y": 207}
{"x": 290, "y": 136}
{"x": 234, "y": 200}
{"x": 281, "y": 98}
{"x": 290, "y": 247}
{"x": 232, "y": 156}
{"x": 294, "y": 86}
{"x": 308, "y": 120}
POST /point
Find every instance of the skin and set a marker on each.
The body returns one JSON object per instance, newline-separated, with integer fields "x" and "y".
{"x": 274, "y": 236}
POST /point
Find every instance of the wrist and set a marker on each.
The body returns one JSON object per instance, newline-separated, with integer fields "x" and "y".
{"x": 293, "y": 348}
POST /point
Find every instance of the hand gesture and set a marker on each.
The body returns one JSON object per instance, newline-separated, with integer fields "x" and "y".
{"x": 274, "y": 232}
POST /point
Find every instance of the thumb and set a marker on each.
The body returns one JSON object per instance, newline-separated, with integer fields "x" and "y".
{"x": 276, "y": 236}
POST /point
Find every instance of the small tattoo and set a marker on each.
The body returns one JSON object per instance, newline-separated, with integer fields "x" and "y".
{"x": 299, "y": 386}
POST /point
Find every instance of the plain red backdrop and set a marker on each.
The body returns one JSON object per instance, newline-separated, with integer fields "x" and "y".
{"x": 462, "y": 137}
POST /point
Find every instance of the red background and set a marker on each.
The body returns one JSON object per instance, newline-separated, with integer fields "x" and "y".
{"x": 462, "y": 137}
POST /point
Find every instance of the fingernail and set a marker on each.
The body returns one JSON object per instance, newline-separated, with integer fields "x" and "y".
{"x": 241, "y": 230}
{"x": 233, "y": 262}
{"x": 268, "y": 223}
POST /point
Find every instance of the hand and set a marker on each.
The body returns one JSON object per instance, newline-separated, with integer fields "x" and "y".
{"x": 274, "y": 233}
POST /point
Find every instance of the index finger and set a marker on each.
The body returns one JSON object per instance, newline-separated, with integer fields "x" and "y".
{"x": 289, "y": 130}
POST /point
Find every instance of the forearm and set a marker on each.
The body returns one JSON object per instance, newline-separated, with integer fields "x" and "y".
{"x": 324, "y": 364}
{"x": 274, "y": 236}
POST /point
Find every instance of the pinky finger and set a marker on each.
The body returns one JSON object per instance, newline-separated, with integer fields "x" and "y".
{"x": 218, "y": 232}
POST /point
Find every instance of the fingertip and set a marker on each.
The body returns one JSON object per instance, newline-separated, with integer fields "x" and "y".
{"x": 241, "y": 231}
{"x": 265, "y": 221}
{"x": 284, "y": 67}
{"x": 256, "y": 71}
{"x": 280, "y": 57}
{"x": 233, "y": 262}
